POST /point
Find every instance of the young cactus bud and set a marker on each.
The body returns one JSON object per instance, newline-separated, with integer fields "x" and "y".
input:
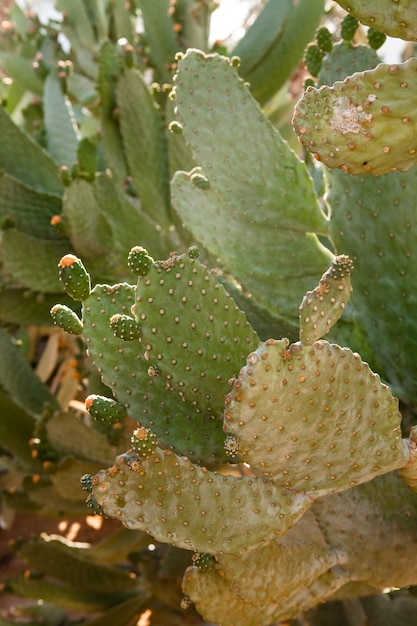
{"x": 199, "y": 180}
{"x": 193, "y": 252}
{"x": 348, "y": 27}
{"x": 204, "y": 561}
{"x": 324, "y": 39}
{"x": 87, "y": 484}
{"x": 144, "y": 442}
{"x": 376, "y": 38}
{"x": 176, "y": 127}
{"x": 139, "y": 261}
{"x": 105, "y": 409}
{"x": 67, "y": 319}
{"x": 322, "y": 307}
{"x": 231, "y": 445}
{"x": 313, "y": 57}
{"x": 74, "y": 277}
{"x": 125, "y": 327}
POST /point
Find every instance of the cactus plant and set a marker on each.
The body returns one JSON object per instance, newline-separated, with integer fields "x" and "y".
{"x": 243, "y": 431}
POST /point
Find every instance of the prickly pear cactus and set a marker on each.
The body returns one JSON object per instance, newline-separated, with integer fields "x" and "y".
{"x": 178, "y": 338}
{"x": 298, "y": 403}
{"x": 363, "y": 124}
{"x": 309, "y": 420}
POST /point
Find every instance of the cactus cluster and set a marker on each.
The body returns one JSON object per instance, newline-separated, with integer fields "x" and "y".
{"x": 256, "y": 423}
{"x": 296, "y": 416}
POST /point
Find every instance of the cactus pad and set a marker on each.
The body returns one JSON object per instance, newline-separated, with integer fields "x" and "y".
{"x": 139, "y": 260}
{"x": 125, "y": 327}
{"x": 388, "y": 536}
{"x": 233, "y": 196}
{"x": 300, "y": 414}
{"x": 74, "y": 277}
{"x": 372, "y": 220}
{"x": 190, "y": 507}
{"x": 363, "y": 124}
{"x": 194, "y": 335}
{"x": 280, "y": 582}
{"x": 105, "y": 409}
{"x": 322, "y": 307}
{"x": 67, "y": 319}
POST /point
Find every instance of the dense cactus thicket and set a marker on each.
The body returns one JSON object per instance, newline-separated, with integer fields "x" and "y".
{"x": 235, "y": 372}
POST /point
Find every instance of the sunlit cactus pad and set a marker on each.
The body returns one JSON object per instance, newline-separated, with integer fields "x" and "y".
{"x": 190, "y": 507}
{"x": 363, "y": 124}
{"x": 314, "y": 418}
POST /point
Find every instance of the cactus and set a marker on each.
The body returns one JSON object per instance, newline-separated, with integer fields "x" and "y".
{"x": 248, "y": 441}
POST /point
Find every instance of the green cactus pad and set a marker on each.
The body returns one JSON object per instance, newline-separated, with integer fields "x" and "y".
{"x": 363, "y": 124}
{"x": 344, "y": 60}
{"x": 137, "y": 384}
{"x": 398, "y": 19}
{"x": 256, "y": 186}
{"x": 372, "y": 220}
{"x": 125, "y": 327}
{"x": 105, "y": 409}
{"x": 139, "y": 261}
{"x": 300, "y": 414}
{"x": 188, "y": 506}
{"x": 279, "y": 582}
{"x": 67, "y": 319}
{"x": 74, "y": 277}
{"x": 193, "y": 333}
{"x": 322, "y": 307}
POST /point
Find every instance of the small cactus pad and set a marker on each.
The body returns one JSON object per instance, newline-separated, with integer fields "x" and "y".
{"x": 125, "y": 327}
{"x": 139, "y": 260}
{"x": 190, "y": 507}
{"x": 373, "y": 221}
{"x": 279, "y": 583}
{"x": 397, "y": 19}
{"x": 348, "y": 27}
{"x": 322, "y": 307}
{"x": 105, "y": 409}
{"x": 143, "y": 442}
{"x": 67, "y": 319}
{"x": 74, "y": 277}
{"x": 375, "y": 38}
{"x": 363, "y": 124}
{"x": 314, "y": 418}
